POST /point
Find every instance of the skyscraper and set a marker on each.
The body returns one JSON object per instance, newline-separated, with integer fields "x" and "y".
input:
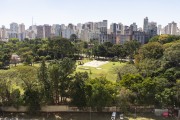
{"x": 145, "y": 25}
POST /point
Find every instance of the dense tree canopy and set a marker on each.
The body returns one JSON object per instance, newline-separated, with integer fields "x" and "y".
{"x": 152, "y": 80}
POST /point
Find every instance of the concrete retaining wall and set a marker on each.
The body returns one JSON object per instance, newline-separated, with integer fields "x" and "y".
{"x": 65, "y": 108}
{"x": 158, "y": 112}
{"x": 62, "y": 108}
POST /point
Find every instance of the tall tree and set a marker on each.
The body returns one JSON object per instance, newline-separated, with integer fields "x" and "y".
{"x": 124, "y": 70}
{"x": 60, "y": 76}
{"x": 124, "y": 99}
{"x": 78, "y": 89}
{"x": 45, "y": 82}
{"x": 152, "y": 50}
{"x": 103, "y": 93}
{"x": 119, "y": 51}
{"x": 131, "y": 48}
{"x": 172, "y": 55}
{"x": 58, "y": 46}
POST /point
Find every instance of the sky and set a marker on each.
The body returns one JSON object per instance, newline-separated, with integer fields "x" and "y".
{"x": 81, "y": 11}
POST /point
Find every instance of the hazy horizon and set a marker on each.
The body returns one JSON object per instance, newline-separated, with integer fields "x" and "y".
{"x": 81, "y": 11}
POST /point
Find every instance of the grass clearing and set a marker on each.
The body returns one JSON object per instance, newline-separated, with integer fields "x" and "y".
{"x": 106, "y": 70}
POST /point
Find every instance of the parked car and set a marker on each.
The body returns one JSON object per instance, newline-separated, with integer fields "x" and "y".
{"x": 113, "y": 116}
{"x": 165, "y": 114}
{"x": 121, "y": 116}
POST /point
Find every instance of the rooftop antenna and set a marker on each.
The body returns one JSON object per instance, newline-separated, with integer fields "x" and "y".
{"x": 32, "y": 21}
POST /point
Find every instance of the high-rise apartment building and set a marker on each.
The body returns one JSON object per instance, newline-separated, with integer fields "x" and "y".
{"x": 116, "y": 28}
{"x": 46, "y": 31}
{"x": 103, "y": 26}
{"x": 56, "y": 30}
{"x": 3, "y": 34}
{"x": 13, "y": 30}
{"x": 139, "y": 36}
{"x": 21, "y": 28}
{"x": 0, "y": 33}
{"x": 21, "y": 32}
{"x": 169, "y": 28}
{"x": 40, "y": 31}
{"x": 173, "y": 28}
{"x": 134, "y": 27}
{"x": 31, "y": 33}
{"x": 66, "y": 33}
{"x": 152, "y": 29}
{"x": 159, "y": 30}
{"x": 145, "y": 25}
{"x": 79, "y": 30}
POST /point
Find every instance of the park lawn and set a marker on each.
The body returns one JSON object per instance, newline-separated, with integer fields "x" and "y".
{"x": 13, "y": 78}
{"x": 106, "y": 70}
{"x": 16, "y": 83}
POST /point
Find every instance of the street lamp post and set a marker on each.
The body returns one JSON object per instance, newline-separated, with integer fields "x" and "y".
{"x": 135, "y": 113}
{"x": 90, "y": 113}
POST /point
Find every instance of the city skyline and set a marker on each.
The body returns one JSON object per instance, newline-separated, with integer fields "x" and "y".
{"x": 79, "y": 11}
{"x": 118, "y": 33}
{"x": 108, "y": 26}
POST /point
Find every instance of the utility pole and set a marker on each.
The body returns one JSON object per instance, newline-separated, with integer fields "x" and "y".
{"x": 32, "y": 21}
{"x": 90, "y": 113}
{"x": 135, "y": 113}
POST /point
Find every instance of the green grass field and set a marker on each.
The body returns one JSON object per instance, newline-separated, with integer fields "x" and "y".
{"x": 106, "y": 70}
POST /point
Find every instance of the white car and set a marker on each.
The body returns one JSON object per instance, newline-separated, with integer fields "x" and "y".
{"x": 113, "y": 116}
